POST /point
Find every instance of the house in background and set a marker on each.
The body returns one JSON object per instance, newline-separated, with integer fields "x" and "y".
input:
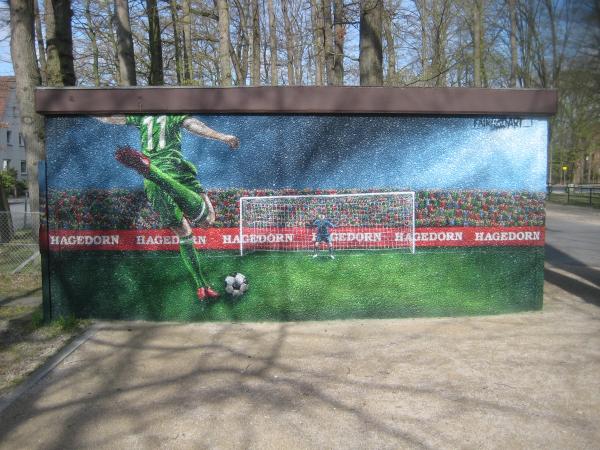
{"x": 12, "y": 147}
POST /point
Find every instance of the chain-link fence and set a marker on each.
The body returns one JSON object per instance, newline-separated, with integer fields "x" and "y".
{"x": 19, "y": 248}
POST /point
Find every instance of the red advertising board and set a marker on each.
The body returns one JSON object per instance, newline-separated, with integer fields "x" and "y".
{"x": 294, "y": 238}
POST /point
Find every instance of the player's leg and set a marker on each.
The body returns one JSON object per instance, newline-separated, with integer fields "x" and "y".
{"x": 211, "y": 215}
{"x": 190, "y": 259}
{"x": 330, "y": 246}
{"x": 188, "y": 200}
{"x": 316, "y": 247}
{"x": 173, "y": 217}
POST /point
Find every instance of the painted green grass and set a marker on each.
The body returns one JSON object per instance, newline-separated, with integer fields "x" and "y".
{"x": 294, "y": 286}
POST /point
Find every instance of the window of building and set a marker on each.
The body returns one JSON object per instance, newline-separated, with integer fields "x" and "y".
{"x": 5, "y": 164}
{"x": 8, "y": 137}
{"x": 21, "y": 141}
{"x": 23, "y": 167}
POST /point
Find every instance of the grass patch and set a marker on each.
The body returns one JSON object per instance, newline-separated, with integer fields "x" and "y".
{"x": 23, "y": 284}
{"x": 294, "y": 286}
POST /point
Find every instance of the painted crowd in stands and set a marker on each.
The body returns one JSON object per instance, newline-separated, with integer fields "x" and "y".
{"x": 129, "y": 209}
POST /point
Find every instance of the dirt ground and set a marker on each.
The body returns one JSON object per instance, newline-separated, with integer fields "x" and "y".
{"x": 25, "y": 342}
{"x": 515, "y": 381}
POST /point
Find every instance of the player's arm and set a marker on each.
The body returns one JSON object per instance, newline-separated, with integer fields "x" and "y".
{"x": 201, "y": 129}
{"x": 117, "y": 119}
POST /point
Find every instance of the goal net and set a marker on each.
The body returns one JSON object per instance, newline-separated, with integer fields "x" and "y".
{"x": 369, "y": 221}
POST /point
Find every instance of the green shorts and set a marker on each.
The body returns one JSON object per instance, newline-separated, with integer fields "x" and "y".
{"x": 183, "y": 172}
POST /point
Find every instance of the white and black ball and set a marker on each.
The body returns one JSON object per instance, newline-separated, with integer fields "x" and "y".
{"x": 236, "y": 285}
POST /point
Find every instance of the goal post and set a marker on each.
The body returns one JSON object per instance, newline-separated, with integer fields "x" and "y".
{"x": 362, "y": 221}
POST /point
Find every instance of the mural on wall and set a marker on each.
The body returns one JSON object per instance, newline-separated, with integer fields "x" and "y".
{"x": 293, "y": 217}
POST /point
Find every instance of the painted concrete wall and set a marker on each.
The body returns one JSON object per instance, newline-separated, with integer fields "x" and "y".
{"x": 144, "y": 219}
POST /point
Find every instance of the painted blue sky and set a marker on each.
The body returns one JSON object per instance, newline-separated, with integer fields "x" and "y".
{"x": 362, "y": 152}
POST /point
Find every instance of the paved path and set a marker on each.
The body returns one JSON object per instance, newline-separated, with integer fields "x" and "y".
{"x": 573, "y": 251}
{"x": 573, "y": 236}
{"x": 512, "y": 381}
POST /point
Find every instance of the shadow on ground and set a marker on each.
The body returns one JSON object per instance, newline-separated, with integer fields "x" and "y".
{"x": 572, "y": 275}
{"x": 510, "y": 380}
{"x": 37, "y": 292}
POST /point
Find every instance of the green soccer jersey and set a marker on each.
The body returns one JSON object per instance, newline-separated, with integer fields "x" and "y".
{"x": 171, "y": 185}
{"x": 160, "y": 135}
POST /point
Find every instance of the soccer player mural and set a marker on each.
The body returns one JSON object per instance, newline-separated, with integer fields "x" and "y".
{"x": 420, "y": 215}
{"x": 170, "y": 182}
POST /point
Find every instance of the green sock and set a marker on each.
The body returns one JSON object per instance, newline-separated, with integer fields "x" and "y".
{"x": 190, "y": 202}
{"x": 190, "y": 260}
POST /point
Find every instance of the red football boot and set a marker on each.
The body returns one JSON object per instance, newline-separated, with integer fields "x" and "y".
{"x": 210, "y": 293}
{"x": 133, "y": 159}
{"x": 201, "y": 294}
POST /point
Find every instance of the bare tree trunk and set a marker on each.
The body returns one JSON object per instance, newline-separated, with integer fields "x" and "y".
{"x": 241, "y": 55}
{"x": 554, "y": 42}
{"x": 299, "y": 46}
{"x": 477, "y": 34}
{"x": 187, "y": 42}
{"x": 289, "y": 44}
{"x": 91, "y": 32}
{"x": 59, "y": 43}
{"x": 264, "y": 35}
{"x": 513, "y": 43}
{"x": 371, "y": 54}
{"x": 155, "y": 41}
{"x": 247, "y": 32}
{"x": 440, "y": 12}
{"x": 179, "y": 69}
{"x": 273, "y": 42}
{"x": 390, "y": 48}
{"x": 424, "y": 53}
{"x": 40, "y": 42}
{"x": 107, "y": 7}
{"x": 317, "y": 26}
{"x": 24, "y": 59}
{"x": 255, "y": 74}
{"x": 339, "y": 38}
{"x": 224, "y": 43}
{"x": 328, "y": 40}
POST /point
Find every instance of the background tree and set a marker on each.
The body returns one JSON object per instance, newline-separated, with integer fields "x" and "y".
{"x": 125, "y": 53}
{"x": 154, "y": 44}
{"x": 371, "y": 50}
{"x": 22, "y": 46}
{"x": 224, "y": 43}
{"x": 273, "y": 41}
{"x": 59, "y": 43}
{"x": 463, "y": 43}
{"x": 339, "y": 19}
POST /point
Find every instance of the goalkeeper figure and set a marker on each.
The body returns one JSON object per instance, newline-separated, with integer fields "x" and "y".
{"x": 323, "y": 226}
{"x": 170, "y": 181}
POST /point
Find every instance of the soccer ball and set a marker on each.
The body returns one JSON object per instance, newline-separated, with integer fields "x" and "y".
{"x": 236, "y": 285}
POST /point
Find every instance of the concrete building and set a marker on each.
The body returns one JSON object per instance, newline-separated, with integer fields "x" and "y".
{"x": 12, "y": 147}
